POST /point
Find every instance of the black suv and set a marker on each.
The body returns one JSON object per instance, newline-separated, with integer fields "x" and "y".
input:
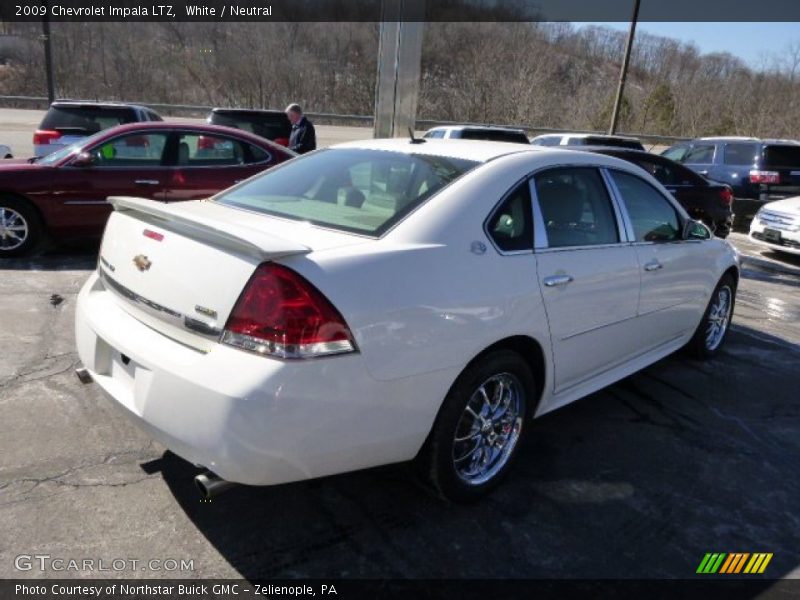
{"x": 69, "y": 121}
{"x": 763, "y": 170}
{"x": 706, "y": 201}
{"x": 273, "y": 125}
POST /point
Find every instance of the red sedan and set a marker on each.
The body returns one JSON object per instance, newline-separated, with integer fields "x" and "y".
{"x": 64, "y": 194}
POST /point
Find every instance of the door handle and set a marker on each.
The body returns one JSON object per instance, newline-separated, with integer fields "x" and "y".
{"x": 703, "y": 172}
{"x": 146, "y": 182}
{"x": 653, "y": 266}
{"x": 556, "y": 280}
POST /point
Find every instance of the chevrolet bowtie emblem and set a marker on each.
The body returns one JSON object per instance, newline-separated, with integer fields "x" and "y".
{"x": 142, "y": 262}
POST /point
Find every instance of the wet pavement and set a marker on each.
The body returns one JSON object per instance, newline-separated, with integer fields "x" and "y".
{"x": 638, "y": 480}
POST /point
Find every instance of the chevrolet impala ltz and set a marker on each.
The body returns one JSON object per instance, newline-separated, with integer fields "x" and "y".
{"x": 389, "y": 301}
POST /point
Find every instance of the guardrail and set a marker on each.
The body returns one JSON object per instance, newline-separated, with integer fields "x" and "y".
{"x": 351, "y": 120}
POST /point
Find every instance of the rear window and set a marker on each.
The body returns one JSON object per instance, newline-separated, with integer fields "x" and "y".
{"x": 354, "y": 190}
{"x": 86, "y": 120}
{"x": 516, "y": 137}
{"x": 740, "y": 154}
{"x": 266, "y": 125}
{"x": 612, "y": 142}
{"x": 782, "y": 156}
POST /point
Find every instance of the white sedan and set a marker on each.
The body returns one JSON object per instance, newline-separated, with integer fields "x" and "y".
{"x": 384, "y": 301}
{"x": 777, "y": 226}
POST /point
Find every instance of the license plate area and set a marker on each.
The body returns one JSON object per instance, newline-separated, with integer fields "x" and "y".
{"x": 772, "y": 235}
{"x": 123, "y": 370}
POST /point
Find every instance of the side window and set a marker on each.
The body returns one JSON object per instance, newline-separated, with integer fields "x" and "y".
{"x": 576, "y": 207}
{"x": 701, "y": 154}
{"x": 548, "y": 141}
{"x": 132, "y": 150}
{"x": 439, "y": 133}
{"x": 198, "y": 150}
{"x": 511, "y": 226}
{"x": 653, "y": 217}
{"x": 257, "y": 155}
{"x": 740, "y": 154}
{"x": 663, "y": 172}
{"x": 676, "y": 153}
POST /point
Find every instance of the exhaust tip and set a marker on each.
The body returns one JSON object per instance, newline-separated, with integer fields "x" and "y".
{"x": 210, "y": 485}
{"x": 83, "y": 375}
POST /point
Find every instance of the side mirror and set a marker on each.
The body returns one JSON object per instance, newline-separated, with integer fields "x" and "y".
{"x": 84, "y": 159}
{"x": 696, "y": 230}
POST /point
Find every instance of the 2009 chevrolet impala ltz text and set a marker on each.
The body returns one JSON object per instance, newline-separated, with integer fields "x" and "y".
{"x": 394, "y": 300}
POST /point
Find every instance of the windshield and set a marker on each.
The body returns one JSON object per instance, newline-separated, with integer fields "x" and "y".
{"x": 56, "y": 156}
{"x": 354, "y": 190}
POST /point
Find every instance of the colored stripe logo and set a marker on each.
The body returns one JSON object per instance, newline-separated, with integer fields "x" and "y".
{"x": 734, "y": 563}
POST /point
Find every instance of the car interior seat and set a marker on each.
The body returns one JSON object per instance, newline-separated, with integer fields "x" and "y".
{"x": 562, "y": 206}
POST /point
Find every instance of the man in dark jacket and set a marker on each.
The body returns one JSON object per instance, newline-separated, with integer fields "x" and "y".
{"x": 303, "y": 138}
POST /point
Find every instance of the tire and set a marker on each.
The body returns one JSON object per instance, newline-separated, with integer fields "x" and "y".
{"x": 706, "y": 344}
{"x": 465, "y": 470}
{"x": 21, "y": 229}
{"x": 8, "y": 156}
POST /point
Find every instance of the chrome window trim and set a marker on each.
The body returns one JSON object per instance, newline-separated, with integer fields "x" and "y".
{"x": 622, "y": 211}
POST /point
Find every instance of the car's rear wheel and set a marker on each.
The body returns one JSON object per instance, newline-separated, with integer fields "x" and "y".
{"x": 479, "y": 427}
{"x": 713, "y": 328}
{"x": 20, "y": 227}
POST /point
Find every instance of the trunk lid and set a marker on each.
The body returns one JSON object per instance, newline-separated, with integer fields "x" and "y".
{"x": 180, "y": 268}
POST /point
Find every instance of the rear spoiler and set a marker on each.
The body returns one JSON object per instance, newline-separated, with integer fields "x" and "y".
{"x": 207, "y": 222}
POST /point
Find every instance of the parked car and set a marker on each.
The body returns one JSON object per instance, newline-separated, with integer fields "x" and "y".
{"x": 759, "y": 169}
{"x": 390, "y": 300}
{"x": 270, "y": 124}
{"x": 478, "y": 132}
{"x": 587, "y": 139}
{"x": 67, "y": 122}
{"x": 5, "y": 151}
{"x": 704, "y": 200}
{"x": 64, "y": 194}
{"x": 777, "y": 226}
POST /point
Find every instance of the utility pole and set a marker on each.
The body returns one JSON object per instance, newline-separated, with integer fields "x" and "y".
{"x": 624, "y": 71}
{"x": 48, "y": 56}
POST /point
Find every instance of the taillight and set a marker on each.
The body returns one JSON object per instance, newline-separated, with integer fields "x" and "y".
{"x": 281, "y": 314}
{"x": 45, "y": 136}
{"x": 726, "y": 195}
{"x": 765, "y": 177}
{"x": 282, "y": 141}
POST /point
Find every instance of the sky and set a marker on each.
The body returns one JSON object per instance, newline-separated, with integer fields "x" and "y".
{"x": 748, "y": 41}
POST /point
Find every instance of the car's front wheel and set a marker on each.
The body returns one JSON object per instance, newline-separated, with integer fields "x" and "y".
{"x": 479, "y": 427}
{"x": 20, "y": 227}
{"x": 713, "y": 328}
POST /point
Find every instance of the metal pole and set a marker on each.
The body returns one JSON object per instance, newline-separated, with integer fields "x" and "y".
{"x": 48, "y": 57}
{"x": 399, "y": 62}
{"x": 624, "y": 71}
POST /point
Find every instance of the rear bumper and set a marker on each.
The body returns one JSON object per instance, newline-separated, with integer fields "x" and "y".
{"x": 248, "y": 418}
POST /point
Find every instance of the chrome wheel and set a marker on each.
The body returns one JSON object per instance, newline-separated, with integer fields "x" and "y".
{"x": 489, "y": 428}
{"x": 719, "y": 316}
{"x": 13, "y": 229}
